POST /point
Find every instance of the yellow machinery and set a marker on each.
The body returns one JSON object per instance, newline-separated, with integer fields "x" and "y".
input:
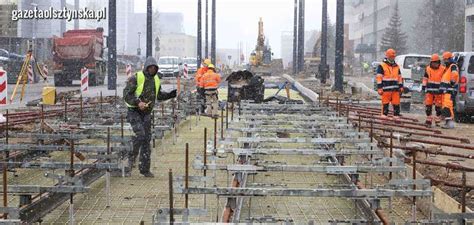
{"x": 262, "y": 55}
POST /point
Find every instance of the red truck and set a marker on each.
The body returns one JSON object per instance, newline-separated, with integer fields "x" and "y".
{"x": 75, "y": 50}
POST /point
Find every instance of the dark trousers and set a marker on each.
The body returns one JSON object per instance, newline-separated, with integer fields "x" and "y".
{"x": 201, "y": 97}
{"x": 141, "y": 125}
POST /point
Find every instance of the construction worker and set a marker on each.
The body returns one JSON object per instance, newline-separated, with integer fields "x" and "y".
{"x": 389, "y": 83}
{"x": 140, "y": 93}
{"x": 210, "y": 81}
{"x": 449, "y": 86}
{"x": 200, "y": 89}
{"x": 431, "y": 87}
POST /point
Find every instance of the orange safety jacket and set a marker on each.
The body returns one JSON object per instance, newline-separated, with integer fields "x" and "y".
{"x": 432, "y": 79}
{"x": 210, "y": 80}
{"x": 199, "y": 74}
{"x": 389, "y": 77}
{"x": 450, "y": 79}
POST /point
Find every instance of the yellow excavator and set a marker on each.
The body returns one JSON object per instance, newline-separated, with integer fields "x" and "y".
{"x": 261, "y": 57}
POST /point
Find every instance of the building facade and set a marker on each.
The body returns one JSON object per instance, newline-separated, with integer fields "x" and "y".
{"x": 368, "y": 19}
{"x": 8, "y": 27}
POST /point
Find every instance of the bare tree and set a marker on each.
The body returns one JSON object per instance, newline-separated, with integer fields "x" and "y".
{"x": 440, "y": 27}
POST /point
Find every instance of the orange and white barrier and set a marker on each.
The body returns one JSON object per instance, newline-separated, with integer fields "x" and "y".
{"x": 3, "y": 86}
{"x": 185, "y": 71}
{"x": 45, "y": 70}
{"x": 84, "y": 80}
{"x": 128, "y": 70}
{"x": 31, "y": 79}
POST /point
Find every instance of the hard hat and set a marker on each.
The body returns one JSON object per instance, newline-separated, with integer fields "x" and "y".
{"x": 434, "y": 58}
{"x": 447, "y": 55}
{"x": 207, "y": 62}
{"x": 390, "y": 53}
{"x": 211, "y": 66}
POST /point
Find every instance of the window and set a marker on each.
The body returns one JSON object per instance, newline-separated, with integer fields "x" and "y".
{"x": 412, "y": 61}
{"x": 470, "y": 67}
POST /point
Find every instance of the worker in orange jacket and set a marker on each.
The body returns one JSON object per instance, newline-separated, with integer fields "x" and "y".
{"x": 210, "y": 81}
{"x": 199, "y": 88}
{"x": 389, "y": 83}
{"x": 431, "y": 87}
{"x": 449, "y": 87}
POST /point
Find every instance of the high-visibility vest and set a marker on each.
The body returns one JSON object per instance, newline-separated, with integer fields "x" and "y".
{"x": 450, "y": 79}
{"x": 391, "y": 79}
{"x": 141, "y": 83}
{"x": 432, "y": 83}
{"x": 210, "y": 80}
{"x": 199, "y": 74}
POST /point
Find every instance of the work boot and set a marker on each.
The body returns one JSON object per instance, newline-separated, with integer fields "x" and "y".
{"x": 429, "y": 121}
{"x": 148, "y": 174}
{"x": 448, "y": 125}
{"x": 437, "y": 121}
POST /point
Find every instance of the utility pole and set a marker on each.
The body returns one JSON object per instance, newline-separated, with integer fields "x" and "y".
{"x": 62, "y": 26}
{"x": 295, "y": 38}
{"x": 199, "y": 35}
{"x": 323, "y": 67}
{"x": 112, "y": 46}
{"x": 375, "y": 29}
{"x": 339, "y": 67}
{"x": 149, "y": 27}
{"x": 213, "y": 33}
{"x": 76, "y": 7}
{"x": 206, "y": 51}
{"x": 300, "y": 37}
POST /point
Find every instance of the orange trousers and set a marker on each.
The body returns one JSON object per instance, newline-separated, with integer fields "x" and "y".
{"x": 434, "y": 99}
{"x": 448, "y": 106}
{"x": 391, "y": 97}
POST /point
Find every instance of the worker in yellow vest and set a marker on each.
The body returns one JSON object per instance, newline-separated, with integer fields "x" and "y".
{"x": 140, "y": 94}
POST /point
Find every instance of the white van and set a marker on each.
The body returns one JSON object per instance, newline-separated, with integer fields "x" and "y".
{"x": 406, "y": 62}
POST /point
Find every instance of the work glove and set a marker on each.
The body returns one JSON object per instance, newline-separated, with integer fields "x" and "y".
{"x": 423, "y": 88}
{"x": 380, "y": 91}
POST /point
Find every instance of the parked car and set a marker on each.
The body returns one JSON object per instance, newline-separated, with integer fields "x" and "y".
{"x": 406, "y": 63}
{"x": 464, "y": 109}
{"x": 191, "y": 63}
{"x": 169, "y": 66}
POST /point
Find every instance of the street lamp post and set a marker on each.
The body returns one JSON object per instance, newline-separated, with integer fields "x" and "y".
{"x": 139, "y": 50}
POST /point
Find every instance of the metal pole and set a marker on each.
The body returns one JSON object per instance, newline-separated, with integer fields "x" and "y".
{"x": 213, "y": 33}
{"x": 199, "y": 35}
{"x": 107, "y": 173}
{"x": 214, "y": 150}
{"x": 112, "y": 46}
{"x": 186, "y": 176}
{"x": 323, "y": 67}
{"x": 300, "y": 36}
{"x": 76, "y": 21}
{"x": 5, "y": 169}
{"x": 170, "y": 183}
{"x": 295, "y": 38}
{"x": 149, "y": 28}
{"x": 71, "y": 174}
{"x": 463, "y": 192}
{"x": 391, "y": 151}
{"x": 222, "y": 124}
{"x": 339, "y": 66}
{"x": 207, "y": 31}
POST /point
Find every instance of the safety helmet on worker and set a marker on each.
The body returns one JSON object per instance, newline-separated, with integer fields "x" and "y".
{"x": 435, "y": 58}
{"x": 447, "y": 55}
{"x": 211, "y": 66}
{"x": 207, "y": 62}
{"x": 390, "y": 53}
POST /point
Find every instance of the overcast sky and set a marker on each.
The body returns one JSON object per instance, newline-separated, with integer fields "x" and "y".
{"x": 237, "y": 20}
